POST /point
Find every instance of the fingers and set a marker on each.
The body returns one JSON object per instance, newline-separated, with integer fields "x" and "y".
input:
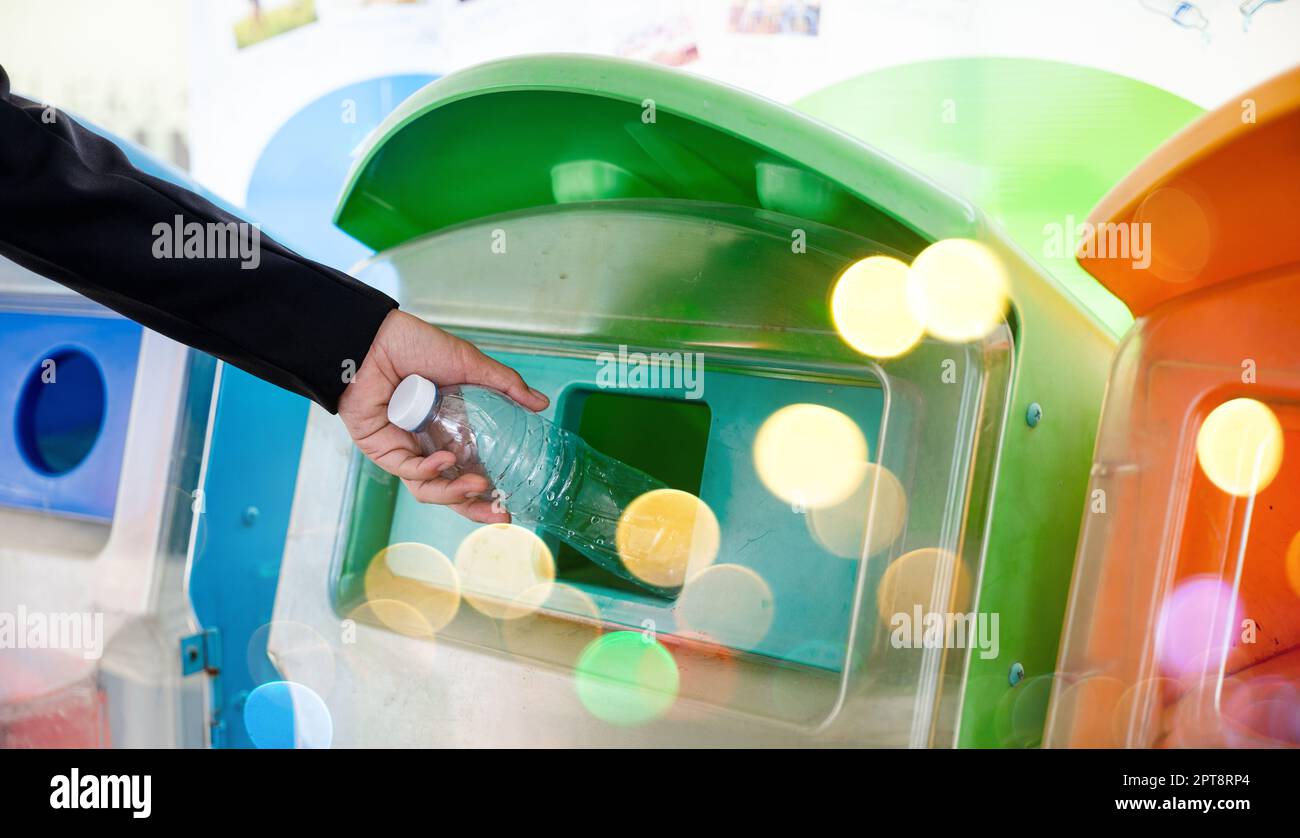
{"x": 426, "y": 468}
{"x": 410, "y": 345}
{"x": 446, "y": 492}
{"x": 406, "y": 344}
{"x": 498, "y": 376}
{"x": 460, "y": 495}
{"x": 481, "y": 511}
{"x": 394, "y": 450}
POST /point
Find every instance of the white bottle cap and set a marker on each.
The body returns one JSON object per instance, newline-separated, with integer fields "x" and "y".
{"x": 411, "y": 402}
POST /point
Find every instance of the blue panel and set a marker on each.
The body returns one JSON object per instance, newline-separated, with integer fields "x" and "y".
{"x": 252, "y": 467}
{"x": 84, "y": 409}
{"x": 112, "y": 345}
{"x": 297, "y": 180}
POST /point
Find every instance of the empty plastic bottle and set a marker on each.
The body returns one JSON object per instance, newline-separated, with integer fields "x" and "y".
{"x": 543, "y": 475}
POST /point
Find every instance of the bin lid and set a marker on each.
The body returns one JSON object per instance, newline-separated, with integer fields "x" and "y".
{"x": 1221, "y": 199}
{"x": 540, "y": 130}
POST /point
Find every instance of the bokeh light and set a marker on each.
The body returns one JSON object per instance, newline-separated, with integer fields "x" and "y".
{"x": 551, "y": 622}
{"x": 1018, "y": 718}
{"x": 1181, "y": 237}
{"x": 810, "y": 454}
{"x": 411, "y": 588}
{"x": 498, "y": 563}
{"x": 284, "y": 714}
{"x": 626, "y": 678}
{"x": 842, "y": 528}
{"x": 958, "y": 289}
{"x": 1293, "y": 564}
{"x": 912, "y": 580}
{"x": 1239, "y": 446}
{"x": 1098, "y": 695}
{"x": 870, "y": 309}
{"x": 1198, "y": 622}
{"x": 296, "y": 650}
{"x": 730, "y": 603}
{"x": 1264, "y": 712}
{"x": 1140, "y": 714}
{"x": 666, "y": 536}
{"x": 1194, "y": 720}
{"x": 394, "y": 615}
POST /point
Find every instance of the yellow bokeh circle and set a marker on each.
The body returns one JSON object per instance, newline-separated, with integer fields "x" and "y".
{"x": 870, "y": 309}
{"x": 810, "y": 455}
{"x": 957, "y": 288}
{"x": 498, "y": 564}
{"x": 551, "y": 622}
{"x": 1293, "y": 564}
{"x": 914, "y": 580}
{"x": 665, "y": 536}
{"x": 411, "y": 588}
{"x": 730, "y": 603}
{"x": 865, "y": 522}
{"x": 1239, "y": 446}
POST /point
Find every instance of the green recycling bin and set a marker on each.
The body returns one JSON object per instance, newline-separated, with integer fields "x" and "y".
{"x": 887, "y": 542}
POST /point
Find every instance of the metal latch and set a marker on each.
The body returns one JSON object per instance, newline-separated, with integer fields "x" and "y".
{"x": 201, "y": 652}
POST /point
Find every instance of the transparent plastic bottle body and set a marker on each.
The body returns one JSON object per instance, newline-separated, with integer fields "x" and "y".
{"x": 542, "y": 474}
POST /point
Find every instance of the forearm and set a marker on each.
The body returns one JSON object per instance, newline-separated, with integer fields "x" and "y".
{"x": 74, "y": 209}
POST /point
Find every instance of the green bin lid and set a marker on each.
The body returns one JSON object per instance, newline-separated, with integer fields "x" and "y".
{"x": 553, "y": 129}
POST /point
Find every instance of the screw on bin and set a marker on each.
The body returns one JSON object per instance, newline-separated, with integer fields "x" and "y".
{"x": 1017, "y": 673}
{"x": 1034, "y": 414}
{"x": 250, "y": 516}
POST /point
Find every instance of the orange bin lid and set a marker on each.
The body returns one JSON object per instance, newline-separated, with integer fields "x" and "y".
{"x": 1221, "y": 198}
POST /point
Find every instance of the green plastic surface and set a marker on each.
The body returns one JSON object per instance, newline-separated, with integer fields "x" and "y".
{"x": 541, "y": 130}
{"x": 502, "y": 145}
{"x": 1033, "y": 143}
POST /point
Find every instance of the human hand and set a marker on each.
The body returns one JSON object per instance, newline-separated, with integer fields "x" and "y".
{"x": 405, "y": 345}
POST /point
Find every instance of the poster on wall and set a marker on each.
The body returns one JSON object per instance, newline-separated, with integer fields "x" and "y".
{"x": 284, "y": 91}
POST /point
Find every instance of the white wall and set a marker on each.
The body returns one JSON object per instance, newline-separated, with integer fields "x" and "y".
{"x": 123, "y": 64}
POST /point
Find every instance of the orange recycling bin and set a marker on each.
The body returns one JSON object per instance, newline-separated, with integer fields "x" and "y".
{"x": 1183, "y": 628}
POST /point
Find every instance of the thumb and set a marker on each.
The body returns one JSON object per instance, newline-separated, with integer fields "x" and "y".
{"x": 498, "y": 376}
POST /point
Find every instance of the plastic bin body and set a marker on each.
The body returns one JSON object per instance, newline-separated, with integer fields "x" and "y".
{"x": 561, "y": 209}
{"x": 98, "y": 356}
{"x": 1182, "y": 626}
{"x": 50, "y": 699}
{"x": 98, "y": 468}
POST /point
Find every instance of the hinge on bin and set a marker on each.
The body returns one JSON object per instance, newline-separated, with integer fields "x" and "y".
{"x": 201, "y": 652}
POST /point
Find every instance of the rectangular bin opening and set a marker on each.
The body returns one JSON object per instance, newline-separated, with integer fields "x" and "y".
{"x": 705, "y": 447}
{"x": 665, "y": 438}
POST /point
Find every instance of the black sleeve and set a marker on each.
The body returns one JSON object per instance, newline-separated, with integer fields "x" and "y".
{"x": 75, "y": 210}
